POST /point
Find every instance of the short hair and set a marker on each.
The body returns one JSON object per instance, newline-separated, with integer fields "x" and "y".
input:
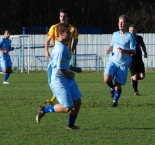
{"x": 6, "y": 30}
{"x": 61, "y": 27}
{"x": 125, "y": 17}
{"x": 66, "y": 11}
{"x": 133, "y": 25}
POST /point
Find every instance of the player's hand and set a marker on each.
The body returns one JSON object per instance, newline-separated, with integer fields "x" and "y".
{"x": 5, "y": 51}
{"x": 12, "y": 48}
{"x": 106, "y": 52}
{"x": 120, "y": 50}
{"x": 145, "y": 55}
{"x": 47, "y": 55}
{"x": 76, "y": 69}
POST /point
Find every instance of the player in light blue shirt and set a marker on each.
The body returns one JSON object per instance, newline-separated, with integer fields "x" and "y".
{"x": 122, "y": 46}
{"x": 5, "y": 48}
{"x": 61, "y": 80}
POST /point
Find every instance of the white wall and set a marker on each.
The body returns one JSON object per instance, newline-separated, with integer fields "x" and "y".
{"x": 88, "y": 44}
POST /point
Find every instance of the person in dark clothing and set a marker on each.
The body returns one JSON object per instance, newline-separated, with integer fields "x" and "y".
{"x": 137, "y": 67}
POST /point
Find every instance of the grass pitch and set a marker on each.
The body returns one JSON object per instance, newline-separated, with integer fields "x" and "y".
{"x": 132, "y": 122}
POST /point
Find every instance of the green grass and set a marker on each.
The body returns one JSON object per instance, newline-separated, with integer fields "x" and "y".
{"x": 132, "y": 122}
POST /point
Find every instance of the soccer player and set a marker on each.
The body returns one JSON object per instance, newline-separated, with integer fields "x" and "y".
{"x": 123, "y": 44}
{"x": 5, "y": 48}
{"x": 61, "y": 80}
{"x": 137, "y": 68}
{"x": 64, "y": 16}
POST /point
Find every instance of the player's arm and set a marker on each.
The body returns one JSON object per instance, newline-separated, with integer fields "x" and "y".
{"x": 47, "y": 46}
{"x": 130, "y": 51}
{"x": 67, "y": 73}
{"x": 144, "y": 50}
{"x": 75, "y": 42}
{"x": 143, "y": 46}
{"x": 106, "y": 52}
{"x": 73, "y": 68}
{"x": 3, "y": 50}
{"x": 12, "y": 48}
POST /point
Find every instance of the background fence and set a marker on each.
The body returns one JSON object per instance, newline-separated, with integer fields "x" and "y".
{"x": 30, "y": 51}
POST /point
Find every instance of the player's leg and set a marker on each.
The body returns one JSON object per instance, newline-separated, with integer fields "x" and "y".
{"x": 53, "y": 99}
{"x": 108, "y": 77}
{"x": 75, "y": 69}
{"x": 120, "y": 79}
{"x": 117, "y": 94}
{"x": 134, "y": 79}
{"x": 52, "y": 108}
{"x": 141, "y": 74}
{"x": 1, "y": 70}
{"x": 73, "y": 115}
{"x": 3, "y": 65}
{"x": 70, "y": 101}
{"x": 8, "y": 71}
{"x": 135, "y": 84}
{"x": 65, "y": 102}
{"x": 76, "y": 96}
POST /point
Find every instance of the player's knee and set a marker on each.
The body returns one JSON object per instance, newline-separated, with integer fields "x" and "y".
{"x": 9, "y": 70}
{"x": 106, "y": 80}
{"x": 77, "y": 103}
{"x": 66, "y": 109}
{"x": 4, "y": 70}
{"x": 141, "y": 77}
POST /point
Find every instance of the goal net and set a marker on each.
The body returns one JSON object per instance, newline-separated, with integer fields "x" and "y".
{"x": 21, "y": 55}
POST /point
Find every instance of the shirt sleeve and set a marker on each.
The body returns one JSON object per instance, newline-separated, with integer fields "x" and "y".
{"x": 142, "y": 42}
{"x": 133, "y": 43}
{"x": 75, "y": 33}
{"x": 51, "y": 32}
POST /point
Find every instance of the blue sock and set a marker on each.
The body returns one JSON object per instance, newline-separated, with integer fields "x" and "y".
{"x": 6, "y": 76}
{"x": 0, "y": 69}
{"x": 117, "y": 94}
{"x": 49, "y": 109}
{"x": 72, "y": 119}
{"x": 111, "y": 85}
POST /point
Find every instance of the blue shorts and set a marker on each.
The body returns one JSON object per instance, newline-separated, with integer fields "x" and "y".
{"x": 118, "y": 72}
{"x": 6, "y": 63}
{"x": 65, "y": 94}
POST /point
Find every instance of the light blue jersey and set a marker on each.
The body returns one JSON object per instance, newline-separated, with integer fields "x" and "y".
{"x": 60, "y": 59}
{"x": 65, "y": 89}
{"x": 118, "y": 63}
{"x": 126, "y": 41}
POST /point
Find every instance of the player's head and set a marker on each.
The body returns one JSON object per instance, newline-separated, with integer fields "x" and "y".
{"x": 132, "y": 29}
{"x": 6, "y": 34}
{"x": 64, "y": 15}
{"x": 63, "y": 31}
{"x": 123, "y": 23}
